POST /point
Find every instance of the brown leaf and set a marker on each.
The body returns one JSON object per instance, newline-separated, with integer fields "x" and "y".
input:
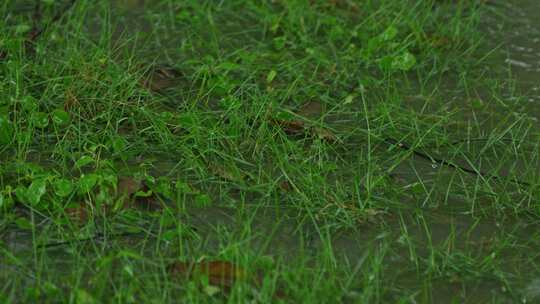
{"x": 286, "y": 186}
{"x": 312, "y": 110}
{"x": 128, "y": 185}
{"x": 224, "y": 173}
{"x": 78, "y": 214}
{"x": 127, "y": 188}
{"x": 3, "y": 55}
{"x": 324, "y": 134}
{"x": 291, "y": 127}
{"x": 160, "y": 78}
{"x": 296, "y": 127}
{"x": 220, "y": 273}
{"x": 440, "y": 41}
{"x": 70, "y": 101}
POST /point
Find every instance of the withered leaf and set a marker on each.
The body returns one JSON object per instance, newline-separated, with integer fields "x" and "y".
{"x": 134, "y": 193}
{"x": 227, "y": 174}
{"x": 128, "y": 185}
{"x": 324, "y": 134}
{"x": 290, "y": 127}
{"x": 296, "y": 127}
{"x": 286, "y": 186}
{"x": 160, "y": 78}
{"x": 220, "y": 273}
{"x": 78, "y": 213}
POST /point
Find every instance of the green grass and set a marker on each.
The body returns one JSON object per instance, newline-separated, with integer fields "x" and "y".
{"x": 311, "y": 218}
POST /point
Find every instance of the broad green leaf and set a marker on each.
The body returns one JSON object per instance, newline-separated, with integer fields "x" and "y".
{"x": 103, "y": 197}
{"x": 386, "y": 63}
{"x": 349, "y": 99}
{"x": 285, "y": 115}
{"x": 389, "y": 34}
{"x": 142, "y": 193}
{"x": 22, "y": 29}
{"x": 211, "y": 290}
{"x": 279, "y": 42}
{"x": 83, "y": 161}
{"x": 374, "y": 44}
{"x": 166, "y": 116}
{"x": 40, "y": 119}
{"x": 271, "y": 75}
{"x": 118, "y": 144}
{"x": 63, "y": 187}
{"x": 110, "y": 178}
{"x": 163, "y": 187}
{"x": 477, "y": 103}
{"x": 36, "y": 190}
{"x": 60, "y": 117}
{"x": 169, "y": 235}
{"x": 84, "y": 297}
{"x": 29, "y": 104}
{"x": 404, "y": 62}
{"x": 128, "y": 269}
{"x": 20, "y": 194}
{"x": 87, "y": 182}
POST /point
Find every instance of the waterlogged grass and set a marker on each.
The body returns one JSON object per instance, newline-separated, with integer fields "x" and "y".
{"x": 274, "y": 151}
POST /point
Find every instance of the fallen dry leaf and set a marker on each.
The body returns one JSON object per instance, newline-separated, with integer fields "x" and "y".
{"x": 220, "y": 273}
{"x": 286, "y": 186}
{"x": 227, "y": 174}
{"x": 296, "y": 127}
{"x": 290, "y": 127}
{"x": 160, "y": 78}
{"x": 70, "y": 101}
{"x": 127, "y": 189}
{"x": 324, "y": 134}
{"x": 78, "y": 214}
{"x": 128, "y": 185}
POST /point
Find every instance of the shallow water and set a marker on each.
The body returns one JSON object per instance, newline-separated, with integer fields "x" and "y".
{"x": 519, "y": 40}
{"x": 514, "y": 29}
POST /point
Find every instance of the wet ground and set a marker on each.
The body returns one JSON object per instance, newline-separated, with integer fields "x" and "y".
{"x": 518, "y": 39}
{"x": 518, "y": 36}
